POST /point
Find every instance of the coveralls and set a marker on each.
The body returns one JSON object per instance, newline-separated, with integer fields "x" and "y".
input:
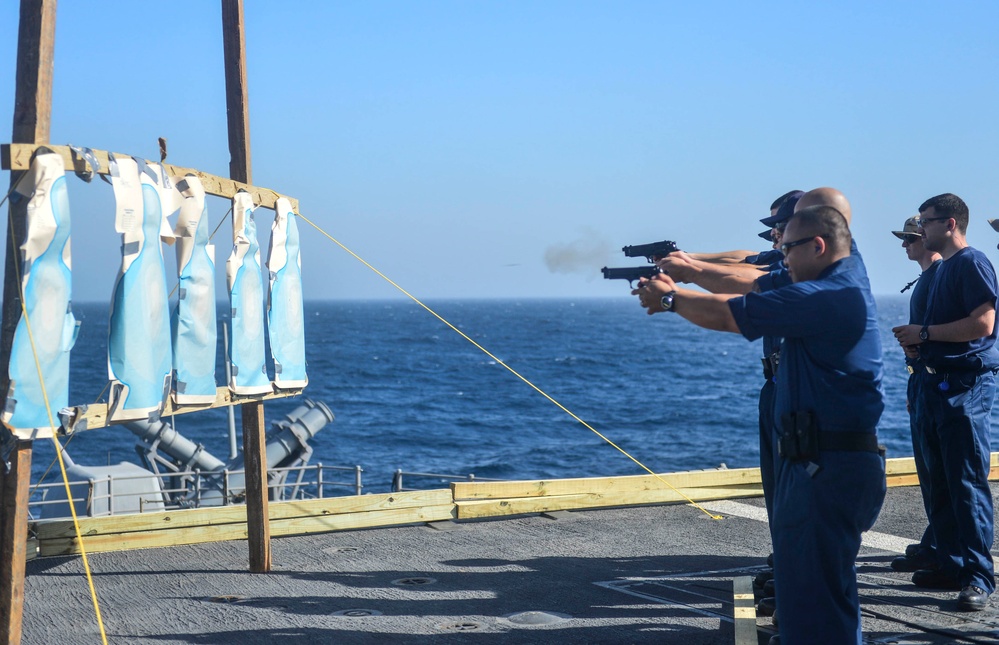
{"x": 954, "y": 419}
{"x": 831, "y": 366}
{"x": 918, "y": 374}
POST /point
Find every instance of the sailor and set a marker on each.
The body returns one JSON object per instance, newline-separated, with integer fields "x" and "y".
{"x": 828, "y": 390}
{"x": 747, "y": 259}
{"x": 780, "y": 212}
{"x": 920, "y": 555}
{"x": 956, "y": 344}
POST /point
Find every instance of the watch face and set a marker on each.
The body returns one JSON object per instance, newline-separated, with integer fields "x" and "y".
{"x": 924, "y": 334}
{"x": 667, "y": 301}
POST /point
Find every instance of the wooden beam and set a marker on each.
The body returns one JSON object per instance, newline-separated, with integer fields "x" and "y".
{"x": 216, "y": 524}
{"x": 17, "y": 156}
{"x": 14, "y": 488}
{"x": 236, "y": 513}
{"x": 236, "y": 93}
{"x": 255, "y": 462}
{"x": 479, "y": 508}
{"x": 95, "y": 415}
{"x": 238, "y": 121}
{"x": 33, "y": 78}
{"x": 32, "y": 119}
{"x": 601, "y": 485}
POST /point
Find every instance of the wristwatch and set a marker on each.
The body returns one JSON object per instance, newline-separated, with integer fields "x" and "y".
{"x": 924, "y": 333}
{"x": 667, "y": 301}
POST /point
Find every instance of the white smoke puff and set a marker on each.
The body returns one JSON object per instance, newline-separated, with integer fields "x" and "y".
{"x": 587, "y": 254}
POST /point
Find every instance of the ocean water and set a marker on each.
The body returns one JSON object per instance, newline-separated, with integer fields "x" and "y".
{"x": 410, "y": 393}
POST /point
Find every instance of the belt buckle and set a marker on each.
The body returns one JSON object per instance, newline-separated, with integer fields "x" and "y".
{"x": 930, "y": 370}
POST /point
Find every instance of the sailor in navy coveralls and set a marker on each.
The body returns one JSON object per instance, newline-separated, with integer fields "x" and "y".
{"x": 830, "y": 480}
{"x": 956, "y": 344}
{"x": 922, "y": 554}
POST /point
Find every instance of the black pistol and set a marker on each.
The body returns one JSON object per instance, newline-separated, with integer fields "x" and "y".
{"x": 631, "y": 273}
{"x": 651, "y": 252}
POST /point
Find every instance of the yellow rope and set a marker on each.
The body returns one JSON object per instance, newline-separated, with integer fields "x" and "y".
{"x": 510, "y": 369}
{"x": 55, "y": 440}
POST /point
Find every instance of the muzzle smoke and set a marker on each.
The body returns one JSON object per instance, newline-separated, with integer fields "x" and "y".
{"x": 586, "y": 255}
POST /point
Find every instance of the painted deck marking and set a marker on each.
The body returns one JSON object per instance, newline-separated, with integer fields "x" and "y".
{"x": 870, "y": 539}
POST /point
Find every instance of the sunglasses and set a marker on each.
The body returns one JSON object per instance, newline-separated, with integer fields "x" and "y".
{"x": 910, "y": 239}
{"x": 923, "y": 220}
{"x": 787, "y": 246}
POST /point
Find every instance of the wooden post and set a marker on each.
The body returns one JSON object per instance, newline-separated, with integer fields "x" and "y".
{"x": 254, "y": 446}
{"x": 32, "y": 117}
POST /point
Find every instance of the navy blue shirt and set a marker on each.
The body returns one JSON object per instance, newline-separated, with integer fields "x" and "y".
{"x": 831, "y": 359}
{"x": 964, "y": 282}
{"x": 919, "y": 298}
{"x": 921, "y": 293}
{"x": 779, "y": 277}
{"x": 771, "y": 344}
{"x": 765, "y": 258}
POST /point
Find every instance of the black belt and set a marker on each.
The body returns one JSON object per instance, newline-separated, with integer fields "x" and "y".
{"x": 849, "y": 441}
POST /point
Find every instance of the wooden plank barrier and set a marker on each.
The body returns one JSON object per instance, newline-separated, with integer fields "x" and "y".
{"x": 464, "y": 500}
{"x": 490, "y": 499}
{"x": 215, "y": 524}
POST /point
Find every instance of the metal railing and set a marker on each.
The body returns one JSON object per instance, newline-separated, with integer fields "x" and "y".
{"x": 192, "y": 489}
{"x": 397, "y": 486}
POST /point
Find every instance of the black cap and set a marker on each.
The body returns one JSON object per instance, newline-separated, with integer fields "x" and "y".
{"x": 767, "y": 235}
{"x": 785, "y": 211}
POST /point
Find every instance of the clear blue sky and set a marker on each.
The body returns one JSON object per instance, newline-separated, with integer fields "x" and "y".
{"x": 453, "y": 144}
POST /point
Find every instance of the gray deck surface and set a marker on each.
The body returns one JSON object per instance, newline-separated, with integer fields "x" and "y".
{"x": 660, "y": 574}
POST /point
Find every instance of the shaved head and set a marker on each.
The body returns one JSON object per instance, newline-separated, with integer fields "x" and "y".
{"x": 825, "y": 197}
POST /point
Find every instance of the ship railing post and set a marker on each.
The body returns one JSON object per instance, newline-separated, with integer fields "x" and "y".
{"x": 88, "y": 501}
{"x": 358, "y": 486}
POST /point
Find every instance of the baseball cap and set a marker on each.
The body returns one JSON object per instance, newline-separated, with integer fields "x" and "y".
{"x": 767, "y": 235}
{"x": 994, "y": 223}
{"x": 911, "y": 227}
{"x": 785, "y": 211}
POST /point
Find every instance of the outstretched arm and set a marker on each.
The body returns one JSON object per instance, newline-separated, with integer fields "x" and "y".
{"x": 708, "y": 310}
{"x": 723, "y": 257}
{"x": 716, "y": 278}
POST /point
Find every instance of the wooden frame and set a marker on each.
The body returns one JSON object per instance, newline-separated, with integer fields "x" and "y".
{"x": 95, "y": 415}
{"x": 17, "y": 156}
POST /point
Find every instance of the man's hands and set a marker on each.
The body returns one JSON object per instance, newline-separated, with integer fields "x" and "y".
{"x": 908, "y": 337}
{"x": 650, "y": 292}
{"x": 679, "y": 266}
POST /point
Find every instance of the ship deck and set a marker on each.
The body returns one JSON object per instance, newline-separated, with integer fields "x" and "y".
{"x": 651, "y": 574}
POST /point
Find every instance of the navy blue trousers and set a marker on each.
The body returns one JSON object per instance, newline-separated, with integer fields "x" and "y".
{"x": 913, "y": 394}
{"x": 816, "y": 528}
{"x": 767, "y": 452}
{"x": 955, "y": 432}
